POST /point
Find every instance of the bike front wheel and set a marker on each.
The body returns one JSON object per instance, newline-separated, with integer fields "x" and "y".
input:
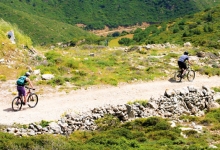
{"x": 16, "y": 103}
{"x": 191, "y": 75}
{"x": 32, "y": 100}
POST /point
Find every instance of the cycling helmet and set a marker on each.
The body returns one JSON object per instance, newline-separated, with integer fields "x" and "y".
{"x": 186, "y": 53}
{"x": 27, "y": 74}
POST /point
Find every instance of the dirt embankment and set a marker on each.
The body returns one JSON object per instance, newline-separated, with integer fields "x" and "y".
{"x": 107, "y": 30}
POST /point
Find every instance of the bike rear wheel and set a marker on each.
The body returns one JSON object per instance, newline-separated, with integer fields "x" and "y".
{"x": 32, "y": 100}
{"x": 191, "y": 75}
{"x": 16, "y": 103}
{"x": 177, "y": 76}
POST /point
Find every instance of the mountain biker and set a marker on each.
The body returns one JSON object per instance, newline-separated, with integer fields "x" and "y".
{"x": 182, "y": 63}
{"x": 21, "y": 87}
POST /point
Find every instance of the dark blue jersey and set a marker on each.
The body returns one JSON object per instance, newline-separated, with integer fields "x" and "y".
{"x": 183, "y": 58}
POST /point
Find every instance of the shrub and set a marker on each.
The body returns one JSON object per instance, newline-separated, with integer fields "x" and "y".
{"x": 134, "y": 144}
{"x": 72, "y": 64}
{"x": 80, "y": 73}
{"x": 163, "y": 134}
{"x": 125, "y": 41}
{"x": 141, "y": 102}
{"x": 123, "y": 132}
{"x": 190, "y": 132}
{"x": 54, "y": 57}
{"x": 152, "y": 121}
{"x": 175, "y": 30}
{"x": 49, "y": 69}
{"x": 171, "y": 55}
{"x": 111, "y": 81}
{"x": 189, "y": 118}
{"x": 2, "y": 78}
{"x": 57, "y": 81}
{"x": 107, "y": 122}
{"x": 162, "y": 125}
{"x": 116, "y": 34}
{"x": 214, "y": 115}
{"x": 44, "y": 123}
{"x": 216, "y": 89}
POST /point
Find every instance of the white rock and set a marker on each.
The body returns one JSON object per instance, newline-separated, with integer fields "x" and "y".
{"x": 47, "y": 76}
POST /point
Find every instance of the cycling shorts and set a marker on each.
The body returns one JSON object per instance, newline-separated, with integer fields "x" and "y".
{"x": 182, "y": 65}
{"x": 21, "y": 90}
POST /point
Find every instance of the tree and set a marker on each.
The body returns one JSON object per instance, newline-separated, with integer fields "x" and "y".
{"x": 125, "y": 41}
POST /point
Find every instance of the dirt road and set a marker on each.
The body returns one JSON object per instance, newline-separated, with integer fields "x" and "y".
{"x": 53, "y": 104}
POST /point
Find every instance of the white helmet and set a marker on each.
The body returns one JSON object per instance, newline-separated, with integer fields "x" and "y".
{"x": 27, "y": 74}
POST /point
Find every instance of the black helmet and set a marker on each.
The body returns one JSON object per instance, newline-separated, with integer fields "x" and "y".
{"x": 27, "y": 74}
{"x": 186, "y": 53}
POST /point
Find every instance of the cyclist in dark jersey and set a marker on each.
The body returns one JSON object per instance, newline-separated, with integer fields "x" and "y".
{"x": 182, "y": 62}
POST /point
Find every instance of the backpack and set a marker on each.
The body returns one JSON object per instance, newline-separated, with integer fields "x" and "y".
{"x": 21, "y": 81}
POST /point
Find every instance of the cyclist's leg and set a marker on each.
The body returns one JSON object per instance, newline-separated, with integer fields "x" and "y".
{"x": 181, "y": 67}
{"x": 21, "y": 93}
{"x": 25, "y": 97}
{"x": 184, "y": 67}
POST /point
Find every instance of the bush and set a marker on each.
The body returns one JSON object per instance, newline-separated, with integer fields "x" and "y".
{"x": 107, "y": 122}
{"x": 54, "y": 57}
{"x": 44, "y": 123}
{"x": 2, "y": 78}
{"x": 49, "y": 69}
{"x": 125, "y": 41}
{"x": 123, "y": 132}
{"x": 190, "y": 132}
{"x": 163, "y": 134}
{"x": 72, "y": 64}
{"x": 141, "y": 102}
{"x": 116, "y": 34}
{"x": 216, "y": 89}
{"x": 111, "y": 81}
{"x": 57, "y": 81}
{"x": 214, "y": 115}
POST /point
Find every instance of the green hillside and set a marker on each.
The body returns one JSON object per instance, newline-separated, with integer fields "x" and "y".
{"x": 43, "y": 30}
{"x": 201, "y": 29}
{"x": 112, "y": 13}
{"x": 54, "y": 21}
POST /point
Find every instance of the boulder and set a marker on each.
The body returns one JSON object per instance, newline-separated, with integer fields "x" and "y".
{"x": 47, "y": 76}
{"x": 187, "y": 44}
{"x": 200, "y": 54}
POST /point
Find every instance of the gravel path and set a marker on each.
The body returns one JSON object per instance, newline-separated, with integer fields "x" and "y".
{"x": 52, "y": 104}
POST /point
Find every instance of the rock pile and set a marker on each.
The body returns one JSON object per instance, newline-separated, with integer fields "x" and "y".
{"x": 174, "y": 103}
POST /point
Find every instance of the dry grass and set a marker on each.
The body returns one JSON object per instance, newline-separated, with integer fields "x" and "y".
{"x": 114, "y": 42}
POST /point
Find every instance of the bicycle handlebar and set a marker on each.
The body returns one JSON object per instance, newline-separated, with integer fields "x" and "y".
{"x": 29, "y": 88}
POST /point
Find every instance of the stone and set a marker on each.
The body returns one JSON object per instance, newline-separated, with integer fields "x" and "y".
{"x": 47, "y": 76}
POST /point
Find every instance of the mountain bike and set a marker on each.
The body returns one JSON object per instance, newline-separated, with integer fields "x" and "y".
{"x": 190, "y": 74}
{"x": 32, "y": 100}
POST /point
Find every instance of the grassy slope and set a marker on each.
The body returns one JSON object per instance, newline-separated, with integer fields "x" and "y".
{"x": 201, "y": 29}
{"x": 42, "y": 30}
